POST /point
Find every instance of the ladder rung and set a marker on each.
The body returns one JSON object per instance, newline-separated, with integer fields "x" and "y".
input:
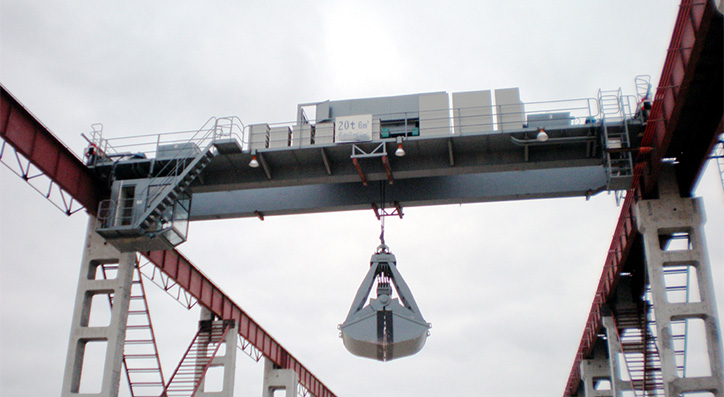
{"x": 144, "y": 369}
{"x": 139, "y": 341}
{"x": 137, "y": 326}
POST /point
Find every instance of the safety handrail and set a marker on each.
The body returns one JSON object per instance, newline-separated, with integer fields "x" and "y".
{"x": 496, "y": 118}
{"x": 213, "y": 130}
{"x": 146, "y": 145}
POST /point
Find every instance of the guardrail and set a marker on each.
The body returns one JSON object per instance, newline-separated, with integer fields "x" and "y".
{"x": 149, "y": 145}
{"x": 457, "y": 121}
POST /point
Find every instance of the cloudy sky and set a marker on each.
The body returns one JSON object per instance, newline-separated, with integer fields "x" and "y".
{"x": 507, "y": 286}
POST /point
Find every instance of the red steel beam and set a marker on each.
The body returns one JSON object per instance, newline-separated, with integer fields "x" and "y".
{"x": 29, "y": 137}
{"x": 388, "y": 170}
{"x": 361, "y": 173}
{"x": 683, "y": 54}
{"x": 685, "y": 46}
{"x": 176, "y": 266}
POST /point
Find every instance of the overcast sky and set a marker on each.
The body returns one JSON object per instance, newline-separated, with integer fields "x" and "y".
{"x": 507, "y": 286}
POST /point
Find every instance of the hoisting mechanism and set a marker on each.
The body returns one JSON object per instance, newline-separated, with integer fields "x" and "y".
{"x": 386, "y": 328}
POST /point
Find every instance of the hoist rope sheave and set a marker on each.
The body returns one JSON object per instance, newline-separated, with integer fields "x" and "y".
{"x": 386, "y": 328}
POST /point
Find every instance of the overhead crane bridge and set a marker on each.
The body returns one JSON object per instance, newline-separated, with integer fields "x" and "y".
{"x": 475, "y": 151}
{"x": 421, "y": 149}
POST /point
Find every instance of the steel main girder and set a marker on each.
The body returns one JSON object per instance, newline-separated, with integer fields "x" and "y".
{"x": 435, "y": 170}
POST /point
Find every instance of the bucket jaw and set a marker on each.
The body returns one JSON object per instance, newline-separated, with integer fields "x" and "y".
{"x": 386, "y": 328}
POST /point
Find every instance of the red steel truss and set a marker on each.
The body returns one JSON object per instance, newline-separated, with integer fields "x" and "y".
{"x": 175, "y": 265}
{"x": 30, "y": 138}
{"x": 662, "y": 132}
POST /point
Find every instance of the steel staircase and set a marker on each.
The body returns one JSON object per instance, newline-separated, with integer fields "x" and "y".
{"x": 187, "y": 378}
{"x": 617, "y": 147}
{"x": 152, "y": 212}
{"x": 140, "y": 353}
{"x": 174, "y": 178}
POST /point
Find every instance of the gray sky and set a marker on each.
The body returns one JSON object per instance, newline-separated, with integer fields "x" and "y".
{"x": 507, "y": 286}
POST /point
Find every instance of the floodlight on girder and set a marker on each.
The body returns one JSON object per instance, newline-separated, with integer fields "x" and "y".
{"x": 400, "y": 151}
{"x": 542, "y": 136}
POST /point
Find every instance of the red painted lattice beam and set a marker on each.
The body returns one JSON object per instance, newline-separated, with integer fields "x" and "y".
{"x": 684, "y": 51}
{"x": 176, "y": 266}
{"x": 21, "y": 130}
{"x": 665, "y": 133}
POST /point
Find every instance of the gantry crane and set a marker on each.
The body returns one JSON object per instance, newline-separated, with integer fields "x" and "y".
{"x": 578, "y": 149}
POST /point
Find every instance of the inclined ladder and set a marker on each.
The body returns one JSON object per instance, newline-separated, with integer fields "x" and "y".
{"x": 640, "y": 352}
{"x": 164, "y": 190}
{"x": 187, "y": 378}
{"x": 140, "y": 352}
{"x": 619, "y": 159}
{"x": 181, "y": 169}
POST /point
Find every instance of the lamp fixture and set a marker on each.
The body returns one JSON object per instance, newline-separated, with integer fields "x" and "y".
{"x": 400, "y": 151}
{"x": 254, "y": 163}
{"x": 542, "y": 135}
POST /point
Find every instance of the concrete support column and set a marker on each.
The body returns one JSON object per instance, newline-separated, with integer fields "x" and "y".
{"x": 279, "y": 379}
{"x": 595, "y": 370}
{"x": 91, "y": 284}
{"x": 660, "y": 220}
{"x": 616, "y": 367}
{"x": 227, "y": 361}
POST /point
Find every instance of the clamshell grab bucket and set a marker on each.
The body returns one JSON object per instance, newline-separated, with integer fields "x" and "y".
{"x": 386, "y": 328}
